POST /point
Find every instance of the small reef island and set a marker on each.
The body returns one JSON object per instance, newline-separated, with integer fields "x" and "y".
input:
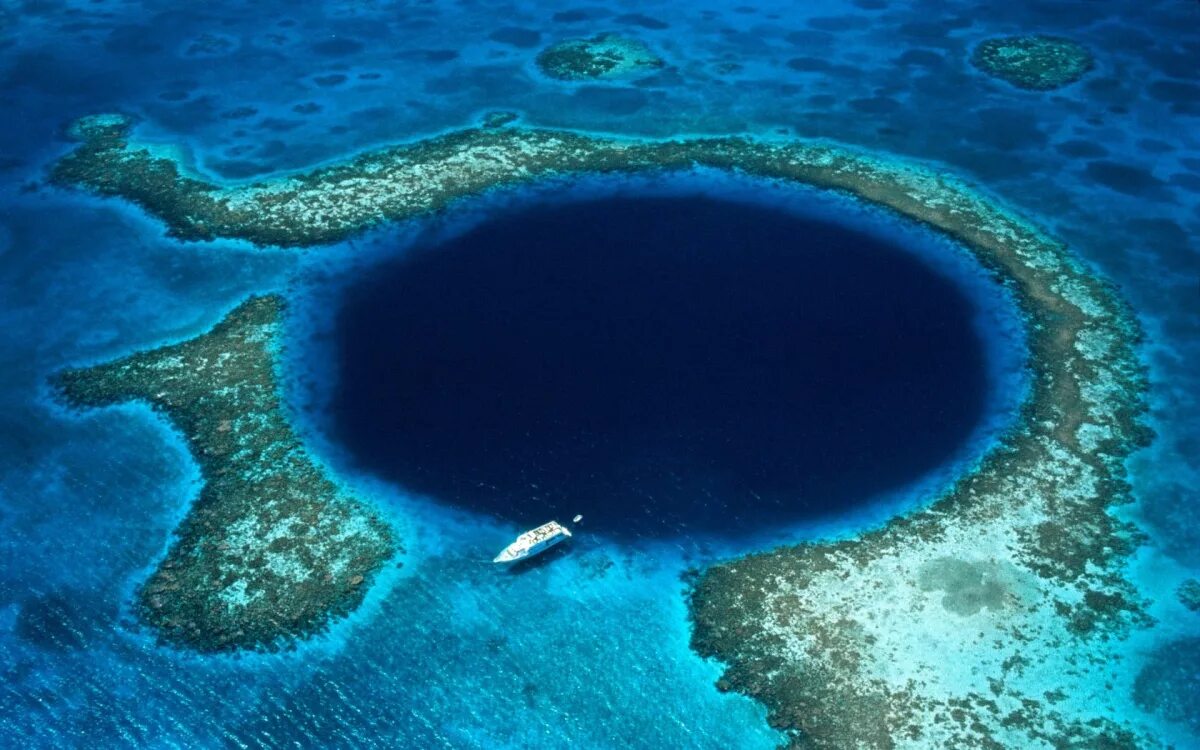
{"x": 604, "y": 57}
{"x": 1036, "y": 62}
{"x": 989, "y": 617}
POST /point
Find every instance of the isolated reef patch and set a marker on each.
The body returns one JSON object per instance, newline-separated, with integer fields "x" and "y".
{"x": 604, "y": 57}
{"x": 499, "y": 119}
{"x": 1035, "y": 62}
{"x": 271, "y": 550}
{"x": 1189, "y": 594}
{"x": 994, "y": 616}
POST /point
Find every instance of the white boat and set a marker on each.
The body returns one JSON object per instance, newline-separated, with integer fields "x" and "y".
{"x": 533, "y": 542}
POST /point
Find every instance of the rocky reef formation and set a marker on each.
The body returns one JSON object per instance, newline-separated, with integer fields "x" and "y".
{"x": 992, "y": 617}
{"x": 1035, "y": 62}
{"x": 604, "y": 57}
{"x": 271, "y": 550}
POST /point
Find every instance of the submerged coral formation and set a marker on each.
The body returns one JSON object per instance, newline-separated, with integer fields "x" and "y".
{"x": 601, "y": 57}
{"x": 989, "y": 619}
{"x": 499, "y": 119}
{"x": 1189, "y": 594}
{"x": 1166, "y": 685}
{"x": 271, "y": 550}
{"x": 1035, "y": 62}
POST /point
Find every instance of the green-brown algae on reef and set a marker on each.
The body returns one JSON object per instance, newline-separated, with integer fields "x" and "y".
{"x": 989, "y": 618}
{"x": 271, "y": 550}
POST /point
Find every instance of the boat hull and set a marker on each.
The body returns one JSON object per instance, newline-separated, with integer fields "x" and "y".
{"x": 521, "y": 549}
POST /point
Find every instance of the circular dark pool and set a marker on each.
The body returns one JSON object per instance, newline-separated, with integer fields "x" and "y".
{"x": 658, "y": 365}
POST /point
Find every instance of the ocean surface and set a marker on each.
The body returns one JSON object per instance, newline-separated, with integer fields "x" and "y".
{"x": 910, "y": 364}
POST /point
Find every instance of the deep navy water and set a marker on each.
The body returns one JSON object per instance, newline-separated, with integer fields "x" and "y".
{"x": 657, "y": 364}
{"x": 443, "y": 653}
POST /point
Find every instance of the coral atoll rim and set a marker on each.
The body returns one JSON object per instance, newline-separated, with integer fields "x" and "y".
{"x": 990, "y": 618}
{"x": 271, "y": 550}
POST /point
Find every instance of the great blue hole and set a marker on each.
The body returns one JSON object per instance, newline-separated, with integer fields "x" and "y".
{"x": 658, "y": 364}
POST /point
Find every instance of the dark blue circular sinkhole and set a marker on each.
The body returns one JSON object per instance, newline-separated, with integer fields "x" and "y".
{"x": 657, "y": 364}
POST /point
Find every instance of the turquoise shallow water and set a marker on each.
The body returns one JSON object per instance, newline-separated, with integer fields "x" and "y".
{"x": 445, "y": 652}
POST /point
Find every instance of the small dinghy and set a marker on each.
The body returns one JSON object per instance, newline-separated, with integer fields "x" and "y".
{"x": 533, "y": 542}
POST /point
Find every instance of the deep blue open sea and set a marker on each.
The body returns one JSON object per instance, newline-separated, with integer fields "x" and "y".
{"x": 679, "y": 373}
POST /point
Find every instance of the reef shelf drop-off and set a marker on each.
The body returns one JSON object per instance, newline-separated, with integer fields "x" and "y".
{"x": 949, "y": 624}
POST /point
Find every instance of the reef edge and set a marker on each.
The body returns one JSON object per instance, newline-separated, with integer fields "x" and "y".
{"x": 271, "y": 551}
{"x": 937, "y": 629}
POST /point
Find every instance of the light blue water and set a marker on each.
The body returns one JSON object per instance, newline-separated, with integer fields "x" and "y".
{"x": 437, "y": 657}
